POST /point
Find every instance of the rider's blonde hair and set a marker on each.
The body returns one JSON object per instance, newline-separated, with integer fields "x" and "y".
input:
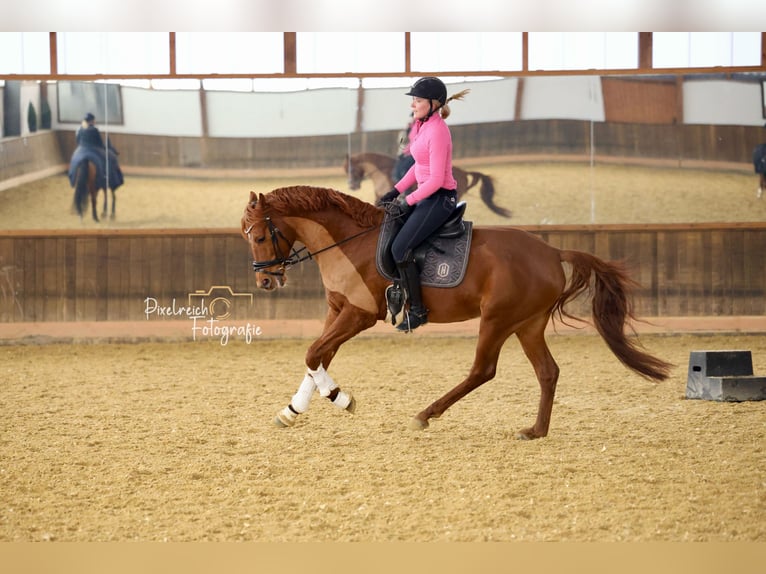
{"x": 444, "y": 110}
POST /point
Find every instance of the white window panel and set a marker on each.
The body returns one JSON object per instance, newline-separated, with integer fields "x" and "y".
{"x": 25, "y": 53}
{"x": 705, "y": 49}
{"x": 229, "y": 52}
{"x": 113, "y": 53}
{"x": 583, "y": 50}
{"x": 461, "y": 51}
{"x": 349, "y": 52}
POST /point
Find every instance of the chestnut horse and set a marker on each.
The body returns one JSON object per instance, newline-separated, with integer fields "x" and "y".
{"x": 514, "y": 281}
{"x": 378, "y": 168}
{"x": 85, "y": 186}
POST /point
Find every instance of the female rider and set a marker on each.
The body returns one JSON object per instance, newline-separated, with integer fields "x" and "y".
{"x": 435, "y": 197}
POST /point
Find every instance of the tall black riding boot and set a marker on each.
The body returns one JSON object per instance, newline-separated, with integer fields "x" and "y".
{"x": 416, "y": 315}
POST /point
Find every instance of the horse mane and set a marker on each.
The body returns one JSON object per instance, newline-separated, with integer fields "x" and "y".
{"x": 373, "y": 157}
{"x": 304, "y": 198}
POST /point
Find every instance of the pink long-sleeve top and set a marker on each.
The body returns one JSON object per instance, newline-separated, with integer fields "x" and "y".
{"x": 431, "y": 147}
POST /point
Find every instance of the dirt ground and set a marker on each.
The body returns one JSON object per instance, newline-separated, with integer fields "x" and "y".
{"x": 537, "y": 193}
{"x": 175, "y": 442}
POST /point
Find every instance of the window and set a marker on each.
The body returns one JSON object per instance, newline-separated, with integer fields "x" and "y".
{"x": 705, "y": 49}
{"x": 25, "y": 53}
{"x": 100, "y": 98}
{"x": 349, "y": 52}
{"x": 583, "y": 50}
{"x": 113, "y": 53}
{"x": 462, "y": 51}
{"x": 229, "y": 53}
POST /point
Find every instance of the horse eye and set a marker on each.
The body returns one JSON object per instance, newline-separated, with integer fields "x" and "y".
{"x": 260, "y": 239}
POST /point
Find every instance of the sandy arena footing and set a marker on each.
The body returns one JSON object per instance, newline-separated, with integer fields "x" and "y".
{"x": 151, "y": 330}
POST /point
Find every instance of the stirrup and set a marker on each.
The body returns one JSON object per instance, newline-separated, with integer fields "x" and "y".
{"x": 394, "y": 300}
{"x": 412, "y": 320}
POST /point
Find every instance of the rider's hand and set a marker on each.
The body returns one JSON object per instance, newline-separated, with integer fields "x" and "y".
{"x": 401, "y": 203}
{"x": 388, "y": 197}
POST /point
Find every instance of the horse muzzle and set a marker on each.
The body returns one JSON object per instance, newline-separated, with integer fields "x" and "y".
{"x": 268, "y": 281}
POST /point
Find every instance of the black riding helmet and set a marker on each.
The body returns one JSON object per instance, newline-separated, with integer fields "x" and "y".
{"x": 430, "y": 88}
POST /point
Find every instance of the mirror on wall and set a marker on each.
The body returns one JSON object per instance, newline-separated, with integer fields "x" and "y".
{"x": 550, "y": 150}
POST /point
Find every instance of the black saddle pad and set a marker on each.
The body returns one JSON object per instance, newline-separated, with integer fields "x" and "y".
{"x": 441, "y": 260}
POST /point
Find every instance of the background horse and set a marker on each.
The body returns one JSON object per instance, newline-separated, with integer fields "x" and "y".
{"x": 378, "y": 167}
{"x": 85, "y": 186}
{"x": 514, "y": 282}
{"x": 759, "y": 165}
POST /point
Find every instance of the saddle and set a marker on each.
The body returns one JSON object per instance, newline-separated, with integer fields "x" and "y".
{"x": 441, "y": 259}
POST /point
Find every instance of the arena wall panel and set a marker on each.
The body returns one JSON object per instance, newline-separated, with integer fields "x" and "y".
{"x": 683, "y": 270}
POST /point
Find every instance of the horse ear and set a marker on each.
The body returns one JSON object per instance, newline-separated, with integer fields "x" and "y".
{"x": 252, "y": 197}
{"x": 262, "y": 198}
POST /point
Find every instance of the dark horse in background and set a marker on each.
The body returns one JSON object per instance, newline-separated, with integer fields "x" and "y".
{"x": 515, "y": 282}
{"x": 759, "y": 165}
{"x": 92, "y": 169}
{"x": 86, "y": 187}
{"x": 378, "y": 167}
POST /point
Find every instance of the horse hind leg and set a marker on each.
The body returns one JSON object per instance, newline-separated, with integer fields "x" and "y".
{"x": 93, "y": 198}
{"x": 532, "y": 338}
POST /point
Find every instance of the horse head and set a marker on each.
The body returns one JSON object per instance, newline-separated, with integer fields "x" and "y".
{"x": 355, "y": 172}
{"x": 268, "y": 244}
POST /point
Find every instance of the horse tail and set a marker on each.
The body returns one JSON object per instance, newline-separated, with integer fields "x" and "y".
{"x": 487, "y": 192}
{"x": 612, "y": 310}
{"x": 81, "y": 187}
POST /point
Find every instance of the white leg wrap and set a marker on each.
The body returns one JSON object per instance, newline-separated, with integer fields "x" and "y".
{"x": 322, "y": 380}
{"x": 342, "y": 400}
{"x": 285, "y": 418}
{"x": 302, "y": 397}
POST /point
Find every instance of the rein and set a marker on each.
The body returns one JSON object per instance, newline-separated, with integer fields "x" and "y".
{"x": 295, "y": 256}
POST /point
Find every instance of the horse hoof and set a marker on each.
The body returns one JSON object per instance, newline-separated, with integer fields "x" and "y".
{"x": 285, "y": 418}
{"x": 351, "y": 408}
{"x": 417, "y": 424}
{"x": 527, "y": 434}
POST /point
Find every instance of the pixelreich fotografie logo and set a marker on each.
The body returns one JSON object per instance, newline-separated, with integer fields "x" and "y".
{"x": 219, "y": 300}
{"x": 207, "y": 311}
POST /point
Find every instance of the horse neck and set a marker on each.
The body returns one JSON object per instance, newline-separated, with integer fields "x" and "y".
{"x": 317, "y": 231}
{"x": 378, "y": 169}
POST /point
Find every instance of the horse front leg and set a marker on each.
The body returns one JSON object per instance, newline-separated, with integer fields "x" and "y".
{"x": 341, "y": 325}
{"x": 114, "y": 204}
{"x": 104, "y": 211}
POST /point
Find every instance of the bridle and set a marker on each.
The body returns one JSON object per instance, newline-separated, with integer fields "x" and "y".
{"x": 295, "y": 256}
{"x": 280, "y": 260}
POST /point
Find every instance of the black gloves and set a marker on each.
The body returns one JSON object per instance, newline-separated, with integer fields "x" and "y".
{"x": 401, "y": 203}
{"x": 388, "y": 197}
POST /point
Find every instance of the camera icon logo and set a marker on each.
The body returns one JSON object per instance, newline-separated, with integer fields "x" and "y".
{"x": 218, "y": 300}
